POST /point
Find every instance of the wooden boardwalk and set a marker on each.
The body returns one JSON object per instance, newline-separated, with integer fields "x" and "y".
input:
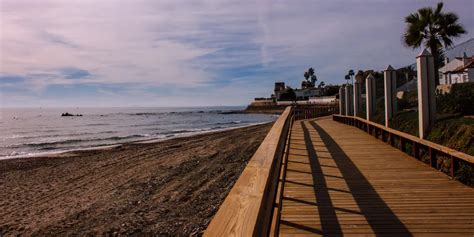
{"x": 341, "y": 181}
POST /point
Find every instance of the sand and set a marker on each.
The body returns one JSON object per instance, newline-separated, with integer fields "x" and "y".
{"x": 172, "y": 187}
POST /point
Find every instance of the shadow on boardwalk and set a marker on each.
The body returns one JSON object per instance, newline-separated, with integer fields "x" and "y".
{"x": 371, "y": 205}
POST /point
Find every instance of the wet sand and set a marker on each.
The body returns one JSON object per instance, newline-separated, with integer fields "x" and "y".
{"x": 172, "y": 187}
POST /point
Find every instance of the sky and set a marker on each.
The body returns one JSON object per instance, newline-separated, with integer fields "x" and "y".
{"x": 90, "y": 53}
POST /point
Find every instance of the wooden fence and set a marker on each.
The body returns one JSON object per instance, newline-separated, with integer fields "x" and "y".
{"x": 314, "y": 111}
{"x": 248, "y": 209}
{"x": 416, "y": 146}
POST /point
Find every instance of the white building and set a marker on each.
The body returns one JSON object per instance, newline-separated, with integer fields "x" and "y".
{"x": 457, "y": 70}
{"x": 306, "y": 93}
{"x": 322, "y": 100}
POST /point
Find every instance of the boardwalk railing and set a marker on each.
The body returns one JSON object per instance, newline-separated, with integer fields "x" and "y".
{"x": 314, "y": 111}
{"x": 248, "y": 208}
{"x": 416, "y": 147}
{"x": 253, "y": 205}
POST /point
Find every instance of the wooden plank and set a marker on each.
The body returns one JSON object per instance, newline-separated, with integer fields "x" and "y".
{"x": 370, "y": 187}
{"x": 239, "y": 213}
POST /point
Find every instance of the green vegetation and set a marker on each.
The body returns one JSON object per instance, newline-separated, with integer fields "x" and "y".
{"x": 456, "y": 133}
{"x": 459, "y": 101}
{"x": 288, "y": 95}
{"x": 310, "y": 78}
{"x": 330, "y": 90}
{"x": 454, "y": 127}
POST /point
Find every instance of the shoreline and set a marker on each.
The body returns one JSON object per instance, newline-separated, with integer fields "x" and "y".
{"x": 63, "y": 153}
{"x": 172, "y": 187}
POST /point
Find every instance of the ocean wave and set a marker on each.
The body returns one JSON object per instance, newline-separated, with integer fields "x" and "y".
{"x": 232, "y": 122}
{"x": 146, "y": 114}
{"x": 17, "y": 136}
{"x": 52, "y": 144}
{"x": 94, "y": 124}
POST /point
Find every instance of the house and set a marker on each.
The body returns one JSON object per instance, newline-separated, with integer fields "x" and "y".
{"x": 300, "y": 94}
{"x": 457, "y": 63}
{"x": 458, "y": 70}
{"x": 306, "y": 93}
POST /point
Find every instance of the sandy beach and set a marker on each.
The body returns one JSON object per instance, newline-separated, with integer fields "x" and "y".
{"x": 171, "y": 187}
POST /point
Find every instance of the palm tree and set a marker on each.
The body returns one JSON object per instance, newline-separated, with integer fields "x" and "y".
{"x": 311, "y": 71}
{"x": 434, "y": 29}
{"x": 306, "y": 75}
{"x": 351, "y": 74}
{"x": 321, "y": 84}
{"x": 310, "y": 74}
{"x": 347, "y": 77}
{"x": 313, "y": 80}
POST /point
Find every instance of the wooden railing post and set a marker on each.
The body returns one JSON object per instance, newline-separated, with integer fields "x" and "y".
{"x": 433, "y": 161}
{"x": 402, "y": 144}
{"x": 454, "y": 166}
{"x": 416, "y": 150}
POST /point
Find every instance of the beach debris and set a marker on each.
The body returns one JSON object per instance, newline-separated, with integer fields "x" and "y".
{"x": 68, "y": 114}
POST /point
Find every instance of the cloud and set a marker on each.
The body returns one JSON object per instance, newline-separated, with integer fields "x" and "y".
{"x": 210, "y": 52}
{"x": 74, "y": 73}
{"x": 11, "y": 79}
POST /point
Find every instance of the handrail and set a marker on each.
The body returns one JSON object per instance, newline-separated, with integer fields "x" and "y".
{"x": 314, "y": 111}
{"x": 247, "y": 209}
{"x": 433, "y": 148}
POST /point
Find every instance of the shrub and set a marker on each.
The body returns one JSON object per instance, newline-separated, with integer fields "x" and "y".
{"x": 459, "y": 100}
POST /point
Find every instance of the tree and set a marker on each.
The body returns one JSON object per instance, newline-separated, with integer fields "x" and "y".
{"x": 351, "y": 75}
{"x": 288, "y": 95}
{"x": 307, "y": 75}
{"x": 433, "y": 28}
{"x": 347, "y": 77}
{"x": 321, "y": 84}
{"x": 331, "y": 90}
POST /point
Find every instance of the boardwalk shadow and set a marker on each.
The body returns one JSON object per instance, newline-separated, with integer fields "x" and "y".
{"x": 329, "y": 222}
{"x": 372, "y": 206}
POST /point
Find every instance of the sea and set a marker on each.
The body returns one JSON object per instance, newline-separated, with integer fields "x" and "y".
{"x": 26, "y": 132}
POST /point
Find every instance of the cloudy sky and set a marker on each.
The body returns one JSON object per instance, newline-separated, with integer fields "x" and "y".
{"x": 189, "y": 53}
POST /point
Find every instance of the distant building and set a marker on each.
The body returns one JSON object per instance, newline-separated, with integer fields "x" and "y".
{"x": 306, "y": 93}
{"x": 457, "y": 60}
{"x": 457, "y": 70}
{"x": 278, "y": 90}
{"x": 323, "y": 100}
